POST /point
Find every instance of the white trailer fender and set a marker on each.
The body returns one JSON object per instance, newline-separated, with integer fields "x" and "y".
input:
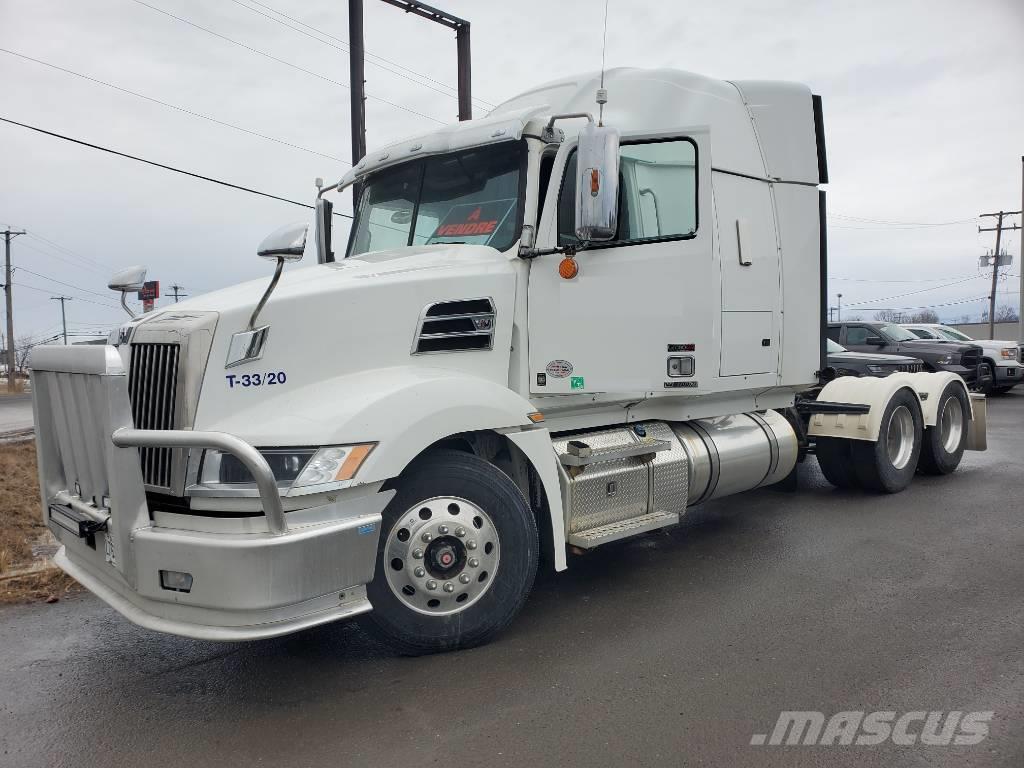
{"x": 877, "y": 393}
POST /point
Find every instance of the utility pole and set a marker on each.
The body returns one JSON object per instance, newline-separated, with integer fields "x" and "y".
{"x": 839, "y": 308}
{"x": 10, "y": 234}
{"x": 998, "y": 229}
{"x": 63, "y": 317}
{"x": 357, "y": 85}
{"x": 178, "y": 292}
{"x": 1020, "y": 267}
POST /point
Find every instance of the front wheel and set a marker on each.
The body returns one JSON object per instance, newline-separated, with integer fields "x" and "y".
{"x": 456, "y": 558}
{"x": 944, "y": 444}
{"x": 888, "y": 464}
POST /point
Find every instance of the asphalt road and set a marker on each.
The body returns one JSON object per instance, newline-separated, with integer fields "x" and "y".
{"x": 671, "y": 650}
{"x": 15, "y": 412}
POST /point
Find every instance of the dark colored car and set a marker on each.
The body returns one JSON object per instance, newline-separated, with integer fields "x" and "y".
{"x": 891, "y": 339}
{"x": 847, "y": 363}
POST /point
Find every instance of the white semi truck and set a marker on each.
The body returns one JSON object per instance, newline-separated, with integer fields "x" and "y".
{"x": 545, "y": 333}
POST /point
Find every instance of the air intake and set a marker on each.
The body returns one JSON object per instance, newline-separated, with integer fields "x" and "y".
{"x": 456, "y": 326}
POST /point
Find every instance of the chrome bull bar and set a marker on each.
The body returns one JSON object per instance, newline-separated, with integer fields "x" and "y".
{"x": 251, "y": 458}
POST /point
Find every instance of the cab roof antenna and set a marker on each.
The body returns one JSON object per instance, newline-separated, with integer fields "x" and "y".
{"x": 602, "y": 93}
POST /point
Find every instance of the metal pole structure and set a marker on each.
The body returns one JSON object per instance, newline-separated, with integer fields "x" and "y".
{"x": 178, "y": 292}
{"x": 63, "y": 317}
{"x": 839, "y": 308}
{"x": 465, "y": 72}
{"x": 998, "y": 228}
{"x": 9, "y": 296}
{"x": 357, "y": 87}
{"x": 461, "y": 27}
{"x": 1020, "y": 266}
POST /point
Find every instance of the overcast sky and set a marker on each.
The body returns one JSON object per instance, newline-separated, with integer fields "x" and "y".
{"x": 922, "y": 103}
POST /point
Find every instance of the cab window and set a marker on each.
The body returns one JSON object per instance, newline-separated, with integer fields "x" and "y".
{"x": 858, "y": 334}
{"x": 657, "y": 193}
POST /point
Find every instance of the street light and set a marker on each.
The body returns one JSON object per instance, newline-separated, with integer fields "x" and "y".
{"x": 839, "y": 307}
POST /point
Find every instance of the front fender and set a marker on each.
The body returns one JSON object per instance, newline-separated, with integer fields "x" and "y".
{"x": 403, "y": 409}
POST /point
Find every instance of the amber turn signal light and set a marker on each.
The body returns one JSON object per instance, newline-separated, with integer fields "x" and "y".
{"x": 568, "y": 268}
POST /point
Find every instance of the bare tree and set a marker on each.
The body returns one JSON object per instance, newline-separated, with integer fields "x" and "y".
{"x": 887, "y": 316}
{"x": 1006, "y": 314}
{"x": 924, "y": 316}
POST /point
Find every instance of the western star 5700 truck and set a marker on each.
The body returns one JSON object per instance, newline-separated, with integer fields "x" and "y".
{"x": 546, "y": 332}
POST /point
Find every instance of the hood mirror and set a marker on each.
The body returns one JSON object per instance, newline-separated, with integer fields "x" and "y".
{"x": 129, "y": 280}
{"x": 285, "y": 244}
{"x": 597, "y": 183}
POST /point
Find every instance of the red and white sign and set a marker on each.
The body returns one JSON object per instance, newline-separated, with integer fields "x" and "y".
{"x": 150, "y": 290}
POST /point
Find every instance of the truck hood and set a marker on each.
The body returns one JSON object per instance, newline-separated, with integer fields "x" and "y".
{"x": 329, "y": 321}
{"x": 924, "y": 347}
{"x": 867, "y": 357}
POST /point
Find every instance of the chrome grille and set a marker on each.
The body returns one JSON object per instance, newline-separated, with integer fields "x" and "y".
{"x": 152, "y": 388}
{"x": 455, "y": 326}
{"x": 910, "y": 367}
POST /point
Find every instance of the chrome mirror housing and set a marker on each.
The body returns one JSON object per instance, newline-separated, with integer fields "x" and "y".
{"x": 127, "y": 281}
{"x": 597, "y": 183}
{"x": 287, "y": 243}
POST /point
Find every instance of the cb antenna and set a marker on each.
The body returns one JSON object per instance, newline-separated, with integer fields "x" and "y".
{"x": 602, "y": 94}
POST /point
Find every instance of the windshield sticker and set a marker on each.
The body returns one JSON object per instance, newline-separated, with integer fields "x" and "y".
{"x": 473, "y": 223}
{"x": 559, "y": 369}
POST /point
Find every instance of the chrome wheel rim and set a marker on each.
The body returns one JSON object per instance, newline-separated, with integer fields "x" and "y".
{"x": 899, "y": 441}
{"x": 951, "y": 424}
{"x": 441, "y": 556}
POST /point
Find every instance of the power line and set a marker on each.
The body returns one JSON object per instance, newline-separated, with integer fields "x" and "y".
{"x": 175, "y": 107}
{"x": 891, "y": 222}
{"x": 61, "y": 282}
{"x": 344, "y": 46}
{"x": 161, "y": 165}
{"x": 912, "y": 293}
{"x": 79, "y": 298}
{"x": 919, "y": 280}
{"x": 279, "y": 60}
{"x": 59, "y": 247}
{"x": 62, "y": 259}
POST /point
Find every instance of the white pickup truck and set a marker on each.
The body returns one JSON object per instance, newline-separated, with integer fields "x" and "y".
{"x": 1004, "y": 359}
{"x": 546, "y": 333}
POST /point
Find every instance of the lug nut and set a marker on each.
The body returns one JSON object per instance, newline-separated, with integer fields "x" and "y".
{"x": 418, "y": 554}
{"x": 473, "y": 562}
{"x": 431, "y": 585}
{"x": 464, "y": 578}
{"x": 449, "y": 587}
{"x": 426, "y": 537}
{"x": 460, "y": 532}
{"x": 470, "y": 544}
{"x": 442, "y": 529}
{"x": 420, "y": 573}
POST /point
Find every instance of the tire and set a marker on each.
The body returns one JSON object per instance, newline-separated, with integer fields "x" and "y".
{"x": 888, "y": 464}
{"x": 834, "y": 458}
{"x": 943, "y": 445}
{"x": 482, "y": 552}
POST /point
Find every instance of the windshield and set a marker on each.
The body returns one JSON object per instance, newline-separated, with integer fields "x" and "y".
{"x": 833, "y": 347}
{"x": 896, "y": 333}
{"x": 953, "y": 333}
{"x": 471, "y": 196}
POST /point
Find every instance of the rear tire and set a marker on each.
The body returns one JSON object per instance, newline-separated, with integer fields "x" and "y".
{"x": 836, "y": 461}
{"x": 456, "y": 558}
{"x": 888, "y": 464}
{"x": 943, "y": 445}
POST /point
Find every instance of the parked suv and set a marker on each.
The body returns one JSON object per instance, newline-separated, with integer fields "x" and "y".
{"x": 847, "y": 363}
{"x": 1003, "y": 359}
{"x": 892, "y": 339}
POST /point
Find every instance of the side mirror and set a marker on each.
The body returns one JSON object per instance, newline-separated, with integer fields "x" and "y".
{"x": 127, "y": 281}
{"x": 877, "y": 341}
{"x": 287, "y": 243}
{"x": 597, "y": 183}
{"x": 324, "y": 213}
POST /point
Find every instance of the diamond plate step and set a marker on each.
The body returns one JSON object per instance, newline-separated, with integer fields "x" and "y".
{"x": 604, "y": 534}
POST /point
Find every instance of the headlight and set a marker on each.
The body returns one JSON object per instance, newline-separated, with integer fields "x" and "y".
{"x": 944, "y": 360}
{"x": 292, "y": 467}
{"x": 1008, "y": 353}
{"x": 876, "y": 368}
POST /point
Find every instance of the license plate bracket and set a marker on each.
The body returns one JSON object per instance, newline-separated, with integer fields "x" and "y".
{"x": 73, "y": 521}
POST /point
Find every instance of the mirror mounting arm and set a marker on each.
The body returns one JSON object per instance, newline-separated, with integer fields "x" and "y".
{"x": 533, "y": 253}
{"x": 548, "y": 134}
{"x": 266, "y": 293}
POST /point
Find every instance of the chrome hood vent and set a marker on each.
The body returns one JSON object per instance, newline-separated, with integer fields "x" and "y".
{"x": 455, "y": 326}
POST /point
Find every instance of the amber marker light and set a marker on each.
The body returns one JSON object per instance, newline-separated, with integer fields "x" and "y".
{"x": 536, "y": 417}
{"x": 568, "y": 268}
{"x": 355, "y": 458}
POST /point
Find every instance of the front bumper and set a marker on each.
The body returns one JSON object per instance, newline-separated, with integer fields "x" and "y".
{"x": 976, "y": 376}
{"x": 261, "y": 578}
{"x": 1009, "y": 373}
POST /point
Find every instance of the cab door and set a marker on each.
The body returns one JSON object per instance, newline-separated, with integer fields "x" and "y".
{"x": 639, "y": 299}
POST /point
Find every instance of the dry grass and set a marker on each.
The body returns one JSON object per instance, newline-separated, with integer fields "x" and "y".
{"x": 21, "y": 526}
{"x": 20, "y": 387}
